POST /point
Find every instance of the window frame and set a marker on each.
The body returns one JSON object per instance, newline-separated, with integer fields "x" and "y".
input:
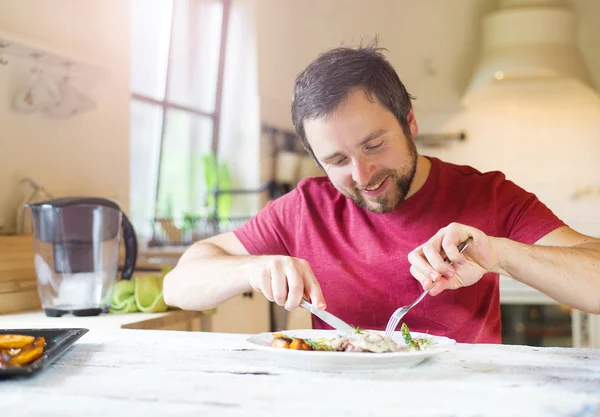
{"x": 166, "y": 105}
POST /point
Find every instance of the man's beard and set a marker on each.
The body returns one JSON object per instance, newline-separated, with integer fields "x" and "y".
{"x": 401, "y": 180}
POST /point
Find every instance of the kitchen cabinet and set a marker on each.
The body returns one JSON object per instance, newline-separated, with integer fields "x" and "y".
{"x": 244, "y": 313}
{"x": 298, "y": 319}
{"x": 250, "y": 313}
{"x": 527, "y": 311}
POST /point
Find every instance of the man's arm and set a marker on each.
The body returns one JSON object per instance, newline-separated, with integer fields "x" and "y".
{"x": 213, "y": 270}
{"x": 564, "y": 264}
{"x": 208, "y": 273}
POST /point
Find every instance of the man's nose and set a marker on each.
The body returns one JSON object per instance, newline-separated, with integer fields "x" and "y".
{"x": 362, "y": 171}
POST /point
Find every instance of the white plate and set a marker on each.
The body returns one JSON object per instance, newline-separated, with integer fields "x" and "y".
{"x": 328, "y": 361}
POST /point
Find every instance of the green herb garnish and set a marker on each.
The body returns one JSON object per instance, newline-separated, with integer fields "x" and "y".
{"x": 319, "y": 344}
{"x": 410, "y": 342}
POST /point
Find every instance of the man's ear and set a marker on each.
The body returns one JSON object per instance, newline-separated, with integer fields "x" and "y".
{"x": 412, "y": 123}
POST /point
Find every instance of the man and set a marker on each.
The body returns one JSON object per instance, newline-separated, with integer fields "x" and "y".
{"x": 354, "y": 242}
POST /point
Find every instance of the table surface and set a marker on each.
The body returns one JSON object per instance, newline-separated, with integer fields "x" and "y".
{"x": 156, "y": 373}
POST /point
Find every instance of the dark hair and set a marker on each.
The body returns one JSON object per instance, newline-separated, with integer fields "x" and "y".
{"x": 324, "y": 85}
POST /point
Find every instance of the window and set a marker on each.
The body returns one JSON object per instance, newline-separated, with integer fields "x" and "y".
{"x": 177, "y": 61}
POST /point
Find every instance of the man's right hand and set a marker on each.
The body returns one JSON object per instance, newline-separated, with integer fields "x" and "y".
{"x": 286, "y": 280}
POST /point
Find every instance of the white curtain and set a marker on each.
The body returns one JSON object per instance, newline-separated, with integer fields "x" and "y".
{"x": 239, "y": 142}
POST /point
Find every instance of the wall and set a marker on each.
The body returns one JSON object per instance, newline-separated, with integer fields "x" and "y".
{"x": 552, "y": 157}
{"x": 434, "y": 45}
{"x": 435, "y": 35}
{"x": 88, "y": 154}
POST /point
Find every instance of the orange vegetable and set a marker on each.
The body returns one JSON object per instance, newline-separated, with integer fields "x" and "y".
{"x": 22, "y": 355}
{"x": 299, "y": 344}
{"x": 27, "y": 355}
{"x": 15, "y": 341}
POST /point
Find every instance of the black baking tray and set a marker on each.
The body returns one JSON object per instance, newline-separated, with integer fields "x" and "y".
{"x": 57, "y": 343}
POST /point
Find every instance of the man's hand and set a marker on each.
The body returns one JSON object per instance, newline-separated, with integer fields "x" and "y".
{"x": 286, "y": 280}
{"x": 428, "y": 265}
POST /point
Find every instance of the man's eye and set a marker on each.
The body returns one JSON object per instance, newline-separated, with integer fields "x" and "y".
{"x": 338, "y": 162}
{"x": 376, "y": 146}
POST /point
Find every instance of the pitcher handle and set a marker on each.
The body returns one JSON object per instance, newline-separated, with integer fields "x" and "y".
{"x": 131, "y": 248}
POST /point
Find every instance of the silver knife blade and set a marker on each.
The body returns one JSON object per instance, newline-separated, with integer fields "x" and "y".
{"x": 328, "y": 318}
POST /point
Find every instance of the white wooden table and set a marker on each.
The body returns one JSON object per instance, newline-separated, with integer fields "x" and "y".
{"x": 159, "y": 373}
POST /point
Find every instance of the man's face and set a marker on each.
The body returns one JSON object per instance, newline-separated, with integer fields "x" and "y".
{"x": 365, "y": 152}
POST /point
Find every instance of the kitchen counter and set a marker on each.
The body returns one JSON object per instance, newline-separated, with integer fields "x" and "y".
{"x": 156, "y": 373}
{"x": 169, "y": 320}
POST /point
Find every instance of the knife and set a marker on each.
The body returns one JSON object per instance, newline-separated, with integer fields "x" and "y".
{"x": 333, "y": 321}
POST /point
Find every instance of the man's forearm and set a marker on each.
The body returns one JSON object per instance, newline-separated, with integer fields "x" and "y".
{"x": 205, "y": 277}
{"x": 570, "y": 275}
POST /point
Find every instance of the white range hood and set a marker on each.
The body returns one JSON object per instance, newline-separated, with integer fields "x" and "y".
{"x": 530, "y": 54}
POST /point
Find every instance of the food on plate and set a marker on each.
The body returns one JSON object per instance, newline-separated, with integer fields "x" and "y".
{"x": 411, "y": 343}
{"x": 358, "y": 340}
{"x": 18, "y": 350}
{"x": 15, "y": 341}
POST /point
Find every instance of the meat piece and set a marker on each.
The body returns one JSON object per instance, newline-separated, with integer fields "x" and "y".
{"x": 281, "y": 342}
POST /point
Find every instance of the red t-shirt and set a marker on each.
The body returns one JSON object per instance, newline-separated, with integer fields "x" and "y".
{"x": 360, "y": 258}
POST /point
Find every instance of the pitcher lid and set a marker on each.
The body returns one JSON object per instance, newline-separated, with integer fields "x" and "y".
{"x": 74, "y": 201}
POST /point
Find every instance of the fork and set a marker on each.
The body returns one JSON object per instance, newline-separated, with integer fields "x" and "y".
{"x": 401, "y": 312}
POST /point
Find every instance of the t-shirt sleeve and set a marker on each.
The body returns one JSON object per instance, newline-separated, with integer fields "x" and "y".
{"x": 526, "y": 219}
{"x": 270, "y": 231}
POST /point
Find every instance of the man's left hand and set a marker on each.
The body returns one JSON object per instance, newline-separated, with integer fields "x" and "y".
{"x": 428, "y": 265}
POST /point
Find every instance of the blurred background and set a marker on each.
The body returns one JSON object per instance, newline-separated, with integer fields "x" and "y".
{"x": 180, "y": 110}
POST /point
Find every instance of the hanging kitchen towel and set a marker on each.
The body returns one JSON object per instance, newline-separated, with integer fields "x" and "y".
{"x": 149, "y": 294}
{"x": 123, "y": 299}
{"x": 141, "y": 293}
